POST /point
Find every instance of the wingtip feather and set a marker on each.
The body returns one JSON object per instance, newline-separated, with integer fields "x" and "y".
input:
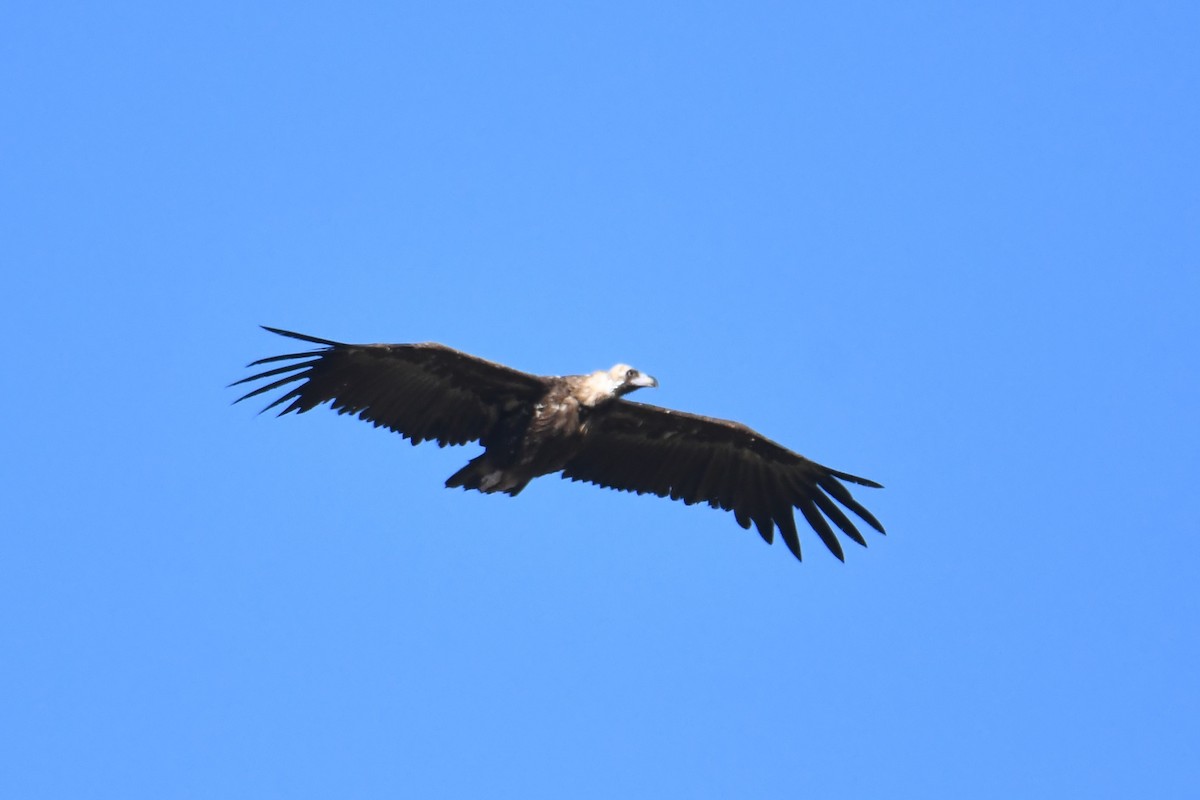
{"x": 861, "y": 481}
{"x": 304, "y": 337}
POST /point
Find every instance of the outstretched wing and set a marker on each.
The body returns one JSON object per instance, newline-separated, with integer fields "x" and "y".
{"x": 422, "y": 391}
{"x": 641, "y": 448}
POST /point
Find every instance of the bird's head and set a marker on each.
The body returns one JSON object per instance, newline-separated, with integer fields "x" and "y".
{"x": 625, "y": 379}
{"x": 603, "y": 386}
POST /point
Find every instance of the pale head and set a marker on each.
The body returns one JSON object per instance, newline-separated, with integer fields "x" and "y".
{"x": 620, "y": 380}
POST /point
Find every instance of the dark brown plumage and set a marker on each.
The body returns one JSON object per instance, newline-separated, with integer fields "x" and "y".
{"x": 580, "y": 425}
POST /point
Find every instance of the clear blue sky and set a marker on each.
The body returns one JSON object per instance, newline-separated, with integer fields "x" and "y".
{"x": 953, "y": 247}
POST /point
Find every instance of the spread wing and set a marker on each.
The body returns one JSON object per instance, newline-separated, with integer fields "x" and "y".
{"x": 422, "y": 391}
{"x": 642, "y": 448}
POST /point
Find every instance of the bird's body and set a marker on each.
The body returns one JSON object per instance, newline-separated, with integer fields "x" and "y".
{"x": 543, "y": 438}
{"x": 580, "y": 425}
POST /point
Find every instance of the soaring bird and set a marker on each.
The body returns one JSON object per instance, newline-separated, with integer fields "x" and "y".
{"x": 579, "y": 425}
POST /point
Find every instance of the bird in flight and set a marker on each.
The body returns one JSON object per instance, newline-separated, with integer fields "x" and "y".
{"x": 579, "y": 425}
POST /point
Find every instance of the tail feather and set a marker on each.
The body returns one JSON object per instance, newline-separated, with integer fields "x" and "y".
{"x": 484, "y": 476}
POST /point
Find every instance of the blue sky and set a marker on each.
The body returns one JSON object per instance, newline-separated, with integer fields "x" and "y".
{"x": 952, "y": 247}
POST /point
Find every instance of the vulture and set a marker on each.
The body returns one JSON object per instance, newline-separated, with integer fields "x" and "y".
{"x": 579, "y": 425}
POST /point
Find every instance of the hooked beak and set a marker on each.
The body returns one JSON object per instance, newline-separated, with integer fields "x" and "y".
{"x": 644, "y": 381}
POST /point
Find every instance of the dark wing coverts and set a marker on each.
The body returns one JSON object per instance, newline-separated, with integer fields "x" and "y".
{"x": 423, "y": 391}
{"x": 642, "y": 448}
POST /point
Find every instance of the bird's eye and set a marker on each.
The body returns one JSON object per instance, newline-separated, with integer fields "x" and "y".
{"x": 631, "y": 374}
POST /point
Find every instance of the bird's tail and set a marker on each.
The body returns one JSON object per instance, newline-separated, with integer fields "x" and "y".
{"x": 484, "y": 476}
